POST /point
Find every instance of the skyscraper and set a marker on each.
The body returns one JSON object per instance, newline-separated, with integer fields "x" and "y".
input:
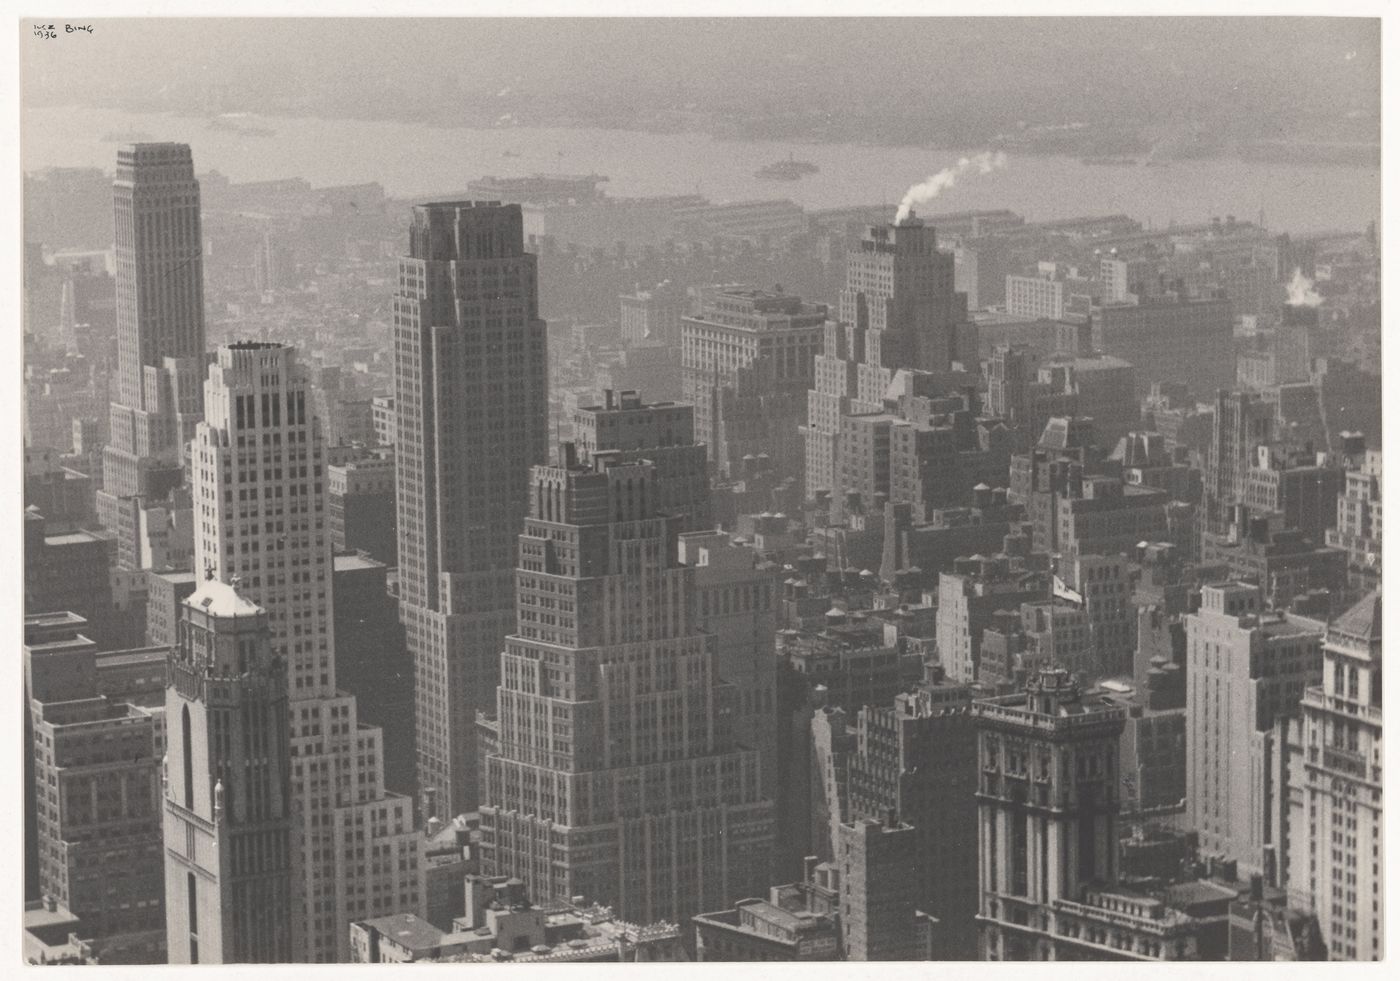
{"x": 470, "y": 400}
{"x": 662, "y": 433}
{"x": 1172, "y": 338}
{"x": 1243, "y": 422}
{"x": 1359, "y": 523}
{"x": 1048, "y": 827}
{"x": 879, "y": 891}
{"x": 1338, "y": 821}
{"x": 1245, "y": 667}
{"x": 260, "y": 502}
{"x": 617, "y": 777}
{"x": 746, "y": 357}
{"x": 900, "y": 287}
{"x": 899, "y": 310}
{"x": 738, "y": 599}
{"x": 228, "y": 794}
{"x": 918, "y": 758}
{"x": 99, "y": 822}
{"x": 160, "y": 328}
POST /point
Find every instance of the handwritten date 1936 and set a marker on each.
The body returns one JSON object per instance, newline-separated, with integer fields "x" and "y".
{"x": 49, "y": 31}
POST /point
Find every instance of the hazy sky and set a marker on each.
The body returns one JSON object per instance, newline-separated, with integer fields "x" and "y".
{"x": 1305, "y": 65}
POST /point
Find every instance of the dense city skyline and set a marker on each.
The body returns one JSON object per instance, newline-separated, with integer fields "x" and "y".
{"x": 538, "y": 573}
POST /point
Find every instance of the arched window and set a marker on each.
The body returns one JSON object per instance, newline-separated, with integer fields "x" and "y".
{"x": 188, "y": 757}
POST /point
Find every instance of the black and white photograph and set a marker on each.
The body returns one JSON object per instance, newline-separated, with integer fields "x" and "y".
{"x": 533, "y": 484}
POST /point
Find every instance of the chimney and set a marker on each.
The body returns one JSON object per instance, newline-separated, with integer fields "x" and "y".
{"x": 891, "y": 818}
{"x": 607, "y": 398}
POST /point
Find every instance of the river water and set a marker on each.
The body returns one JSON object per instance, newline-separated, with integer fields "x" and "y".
{"x": 414, "y": 159}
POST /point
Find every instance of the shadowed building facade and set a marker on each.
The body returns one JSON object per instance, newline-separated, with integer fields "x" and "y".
{"x": 617, "y": 776}
{"x": 747, "y": 366}
{"x": 471, "y": 418}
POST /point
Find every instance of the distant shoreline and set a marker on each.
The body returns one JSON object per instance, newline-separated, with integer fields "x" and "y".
{"x": 410, "y": 159}
{"x": 1300, "y": 151}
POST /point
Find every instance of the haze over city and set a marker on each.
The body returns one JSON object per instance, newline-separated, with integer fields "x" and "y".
{"x": 661, "y": 490}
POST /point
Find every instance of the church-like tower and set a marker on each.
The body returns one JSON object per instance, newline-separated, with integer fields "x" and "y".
{"x": 226, "y": 776}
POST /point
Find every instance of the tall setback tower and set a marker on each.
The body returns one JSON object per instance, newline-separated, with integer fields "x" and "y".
{"x": 899, "y": 287}
{"x": 471, "y": 402}
{"x": 617, "y": 777}
{"x": 228, "y": 792}
{"x": 259, "y": 489}
{"x": 898, "y": 311}
{"x": 160, "y": 326}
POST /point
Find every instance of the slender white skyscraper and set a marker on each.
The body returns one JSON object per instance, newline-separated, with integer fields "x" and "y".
{"x": 259, "y": 488}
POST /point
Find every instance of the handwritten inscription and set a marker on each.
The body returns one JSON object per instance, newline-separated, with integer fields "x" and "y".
{"x": 50, "y": 31}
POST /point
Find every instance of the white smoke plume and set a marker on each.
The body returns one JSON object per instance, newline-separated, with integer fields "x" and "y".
{"x": 922, "y": 193}
{"x": 1301, "y": 292}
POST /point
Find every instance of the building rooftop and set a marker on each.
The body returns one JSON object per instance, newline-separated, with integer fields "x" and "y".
{"x": 222, "y": 600}
{"x": 1287, "y": 625}
{"x": 47, "y": 933}
{"x": 410, "y": 931}
{"x": 1361, "y": 622}
{"x": 175, "y": 577}
{"x": 1185, "y": 894}
{"x": 351, "y": 562}
{"x": 138, "y": 655}
{"x": 1099, "y": 362}
{"x": 256, "y": 346}
{"x": 56, "y": 618}
{"x": 776, "y": 916}
{"x": 70, "y": 538}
